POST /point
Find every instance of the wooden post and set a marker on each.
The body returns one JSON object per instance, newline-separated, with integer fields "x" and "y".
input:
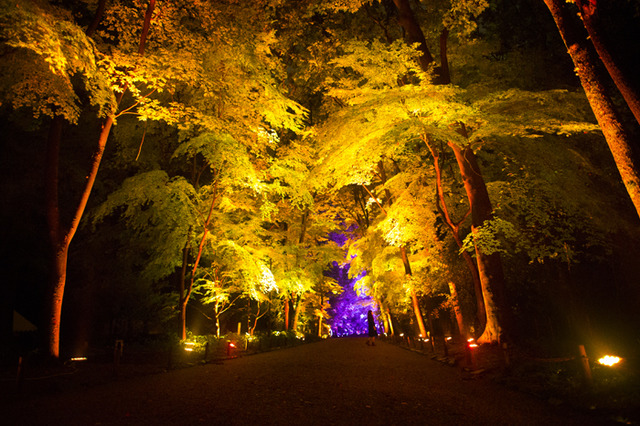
{"x": 472, "y": 357}
{"x": 468, "y": 355}
{"x": 505, "y": 354}
{"x": 584, "y": 361}
{"x": 19, "y": 374}
{"x": 117, "y": 354}
{"x": 444, "y": 345}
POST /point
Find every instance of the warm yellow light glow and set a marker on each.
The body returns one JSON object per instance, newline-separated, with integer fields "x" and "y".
{"x": 473, "y": 345}
{"x": 188, "y": 346}
{"x": 470, "y": 339}
{"x": 609, "y": 360}
{"x": 79, "y": 358}
{"x": 449, "y": 338}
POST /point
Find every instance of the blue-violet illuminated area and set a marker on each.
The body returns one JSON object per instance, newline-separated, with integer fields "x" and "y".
{"x": 348, "y": 309}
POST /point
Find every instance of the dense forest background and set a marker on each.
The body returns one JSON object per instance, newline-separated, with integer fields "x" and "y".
{"x": 257, "y": 153}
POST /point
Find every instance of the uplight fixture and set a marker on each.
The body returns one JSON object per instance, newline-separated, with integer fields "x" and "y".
{"x": 609, "y": 360}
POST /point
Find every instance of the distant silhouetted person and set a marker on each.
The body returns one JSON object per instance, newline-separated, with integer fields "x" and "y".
{"x": 372, "y": 332}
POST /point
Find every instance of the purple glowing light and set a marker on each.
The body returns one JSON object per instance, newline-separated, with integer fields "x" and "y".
{"x": 348, "y": 309}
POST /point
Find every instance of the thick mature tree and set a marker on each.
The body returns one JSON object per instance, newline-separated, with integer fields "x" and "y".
{"x": 589, "y": 12}
{"x": 490, "y": 270}
{"x": 617, "y": 136}
{"x": 456, "y": 227}
{"x": 59, "y": 30}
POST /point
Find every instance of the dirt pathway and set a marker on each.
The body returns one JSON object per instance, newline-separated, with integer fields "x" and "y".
{"x": 334, "y": 382}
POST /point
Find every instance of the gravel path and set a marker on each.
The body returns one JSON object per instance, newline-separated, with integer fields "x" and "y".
{"x": 334, "y": 382}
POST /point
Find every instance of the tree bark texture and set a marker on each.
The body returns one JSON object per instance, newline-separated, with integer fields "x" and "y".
{"x": 405, "y": 259}
{"x": 456, "y": 309}
{"x": 455, "y": 231}
{"x": 185, "y": 293}
{"x": 413, "y": 32}
{"x": 296, "y": 312}
{"x": 414, "y": 298}
{"x": 60, "y": 237}
{"x": 286, "y": 314}
{"x": 183, "y": 277}
{"x": 589, "y": 15}
{"x": 489, "y": 266}
{"x": 617, "y": 136}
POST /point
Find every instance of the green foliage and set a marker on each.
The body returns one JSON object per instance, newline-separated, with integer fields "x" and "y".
{"x": 247, "y": 270}
{"x": 370, "y": 67}
{"x": 160, "y": 211}
{"x": 461, "y": 16}
{"x": 49, "y": 62}
{"x": 225, "y": 156}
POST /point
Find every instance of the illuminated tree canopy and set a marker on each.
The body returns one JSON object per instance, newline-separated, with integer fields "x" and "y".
{"x": 290, "y": 165}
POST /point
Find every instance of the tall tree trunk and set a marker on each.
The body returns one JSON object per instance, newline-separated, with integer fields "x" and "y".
{"x": 455, "y": 300}
{"x": 286, "y": 314}
{"x": 183, "y": 277}
{"x": 59, "y": 237}
{"x": 589, "y": 15}
{"x": 444, "y": 74}
{"x": 413, "y": 32}
{"x": 617, "y": 136}
{"x": 405, "y": 261}
{"x": 390, "y": 319}
{"x": 296, "y": 312}
{"x": 454, "y": 227}
{"x": 96, "y": 18}
{"x": 185, "y": 293}
{"x": 321, "y": 316}
{"x": 217, "y": 324}
{"x": 414, "y": 298}
{"x": 489, "y": 266}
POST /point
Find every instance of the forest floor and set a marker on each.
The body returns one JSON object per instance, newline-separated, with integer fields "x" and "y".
{"x": 612, "y": 396}
{"x": 611, "y": 392}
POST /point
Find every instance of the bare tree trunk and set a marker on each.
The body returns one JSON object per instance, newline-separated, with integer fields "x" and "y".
{"x": 444, "y": 74}
{"x": 296, "y": 312}
{"x": 96, "y": 18}
{"x": 414, "y": 298}
{"x": 489, "y": 266}
{"x": 455, "y": 300}
{"x": 390, "y": 319}
{"x": 441, "y": 204}
{"x": 413, "y": 32}
{"x": 183, "y": 276}
{"x": 405, "y": 262}
{"x": 286, "y": 314}
{"x": 589, "y": 15}
{"x": 60, "y": 238}
{"x": 617, "y": 136}
{"x": 185, "y": 293}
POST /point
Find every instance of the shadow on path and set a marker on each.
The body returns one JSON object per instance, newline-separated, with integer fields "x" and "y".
{"x": 334, "y": 382}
